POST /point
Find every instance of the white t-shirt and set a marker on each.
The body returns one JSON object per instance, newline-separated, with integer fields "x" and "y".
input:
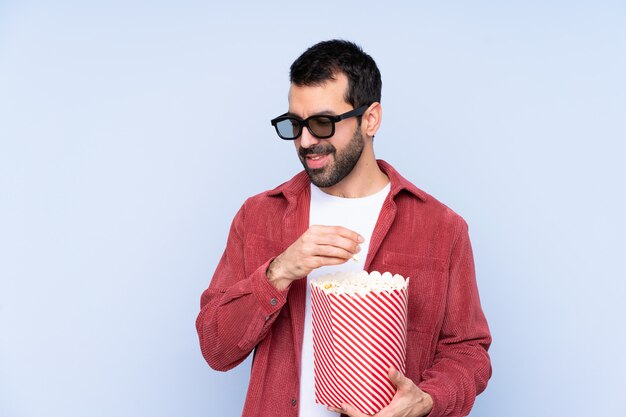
{"x": 359, "y": 215}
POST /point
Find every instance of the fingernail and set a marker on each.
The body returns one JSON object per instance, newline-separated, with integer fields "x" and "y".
{"x": 358, "y": 248}
{"x": 361, "y": 239}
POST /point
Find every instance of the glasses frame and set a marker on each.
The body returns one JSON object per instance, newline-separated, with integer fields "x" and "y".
{"x": 305, "y": 123}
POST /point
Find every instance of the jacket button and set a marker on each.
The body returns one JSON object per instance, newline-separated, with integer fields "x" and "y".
{"x": 294, "y": 402}
{"x": 273, "y": 301}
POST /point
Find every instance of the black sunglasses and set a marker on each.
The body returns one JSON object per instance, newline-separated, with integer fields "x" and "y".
{"x": 322, "y": 126}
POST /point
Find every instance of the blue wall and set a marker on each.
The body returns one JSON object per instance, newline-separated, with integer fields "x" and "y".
{"x": 130, "y": 133}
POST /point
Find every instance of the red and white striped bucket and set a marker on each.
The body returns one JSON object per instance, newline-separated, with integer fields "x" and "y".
{"x": 357, "y": 337}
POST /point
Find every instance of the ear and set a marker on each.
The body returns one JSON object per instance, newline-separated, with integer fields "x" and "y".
{"x": 371, "y": 119}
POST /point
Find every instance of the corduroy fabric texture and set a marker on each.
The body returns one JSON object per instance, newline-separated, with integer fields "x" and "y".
{"x": 415, "y": 236}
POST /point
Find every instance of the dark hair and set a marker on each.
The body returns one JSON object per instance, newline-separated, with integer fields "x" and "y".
{"x": 323, "y": 61}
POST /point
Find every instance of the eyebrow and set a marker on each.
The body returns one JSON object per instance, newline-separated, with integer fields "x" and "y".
{"x": 319, "y": 113}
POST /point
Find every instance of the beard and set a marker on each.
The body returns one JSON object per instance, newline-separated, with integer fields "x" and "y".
{"x": 344, "y": 161}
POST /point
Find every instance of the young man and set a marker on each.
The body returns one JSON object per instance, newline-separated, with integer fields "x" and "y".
{"x": 347, "y": 210}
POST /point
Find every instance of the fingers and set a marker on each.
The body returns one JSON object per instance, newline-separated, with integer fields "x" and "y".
{"x": 348, "y": 410}
{"x": 348, "y": 234}
{"x": 329, "y": 242}
{"x": 338, "y": 231}
{"x": 327, "y": 261}
{"x": 327, "y": 251}
{"x": 336, "y": 241}
{"x": 332, "y": 241}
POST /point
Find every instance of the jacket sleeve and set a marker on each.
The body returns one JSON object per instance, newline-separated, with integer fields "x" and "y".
{"x": 461, "y": 365}
{"x": 237, "y": 310}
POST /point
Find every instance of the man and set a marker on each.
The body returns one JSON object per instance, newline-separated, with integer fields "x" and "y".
{"x": 345, "y": 211}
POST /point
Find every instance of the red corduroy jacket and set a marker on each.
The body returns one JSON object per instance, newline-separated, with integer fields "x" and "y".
{"x": 415, "y": 236}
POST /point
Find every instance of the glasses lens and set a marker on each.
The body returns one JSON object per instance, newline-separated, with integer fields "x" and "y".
{"x": 321, "y": 126}
{"x": 288, "y": 128}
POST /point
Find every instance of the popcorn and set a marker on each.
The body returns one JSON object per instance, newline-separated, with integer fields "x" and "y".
{"x": 359, "y": 331}
{"x": 359, "y": 282}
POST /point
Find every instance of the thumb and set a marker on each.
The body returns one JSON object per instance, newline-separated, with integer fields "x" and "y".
{"x": 396, "y": 378}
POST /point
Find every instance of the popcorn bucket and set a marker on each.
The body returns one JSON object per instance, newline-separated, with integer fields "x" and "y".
{"x": 359, "y": 332}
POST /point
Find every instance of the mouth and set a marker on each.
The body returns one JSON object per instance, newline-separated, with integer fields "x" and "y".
{"x": 316, "y": 161}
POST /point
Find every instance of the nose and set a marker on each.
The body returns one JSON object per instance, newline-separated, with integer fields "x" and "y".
{"x": 307, "y": 139}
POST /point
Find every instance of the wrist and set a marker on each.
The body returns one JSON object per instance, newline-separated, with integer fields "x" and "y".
{"x": 274, "y": 275}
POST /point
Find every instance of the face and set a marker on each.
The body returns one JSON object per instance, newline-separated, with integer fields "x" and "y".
{"x": 326, "y": 161}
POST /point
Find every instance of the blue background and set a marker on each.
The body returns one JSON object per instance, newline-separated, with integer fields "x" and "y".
{"x": 131, "y": 132}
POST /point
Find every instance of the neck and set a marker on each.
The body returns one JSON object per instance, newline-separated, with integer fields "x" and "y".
{"x": 365, "y": 179}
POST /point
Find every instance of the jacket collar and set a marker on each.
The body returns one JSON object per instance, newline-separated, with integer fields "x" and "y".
{"x": 300, "y": 182}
